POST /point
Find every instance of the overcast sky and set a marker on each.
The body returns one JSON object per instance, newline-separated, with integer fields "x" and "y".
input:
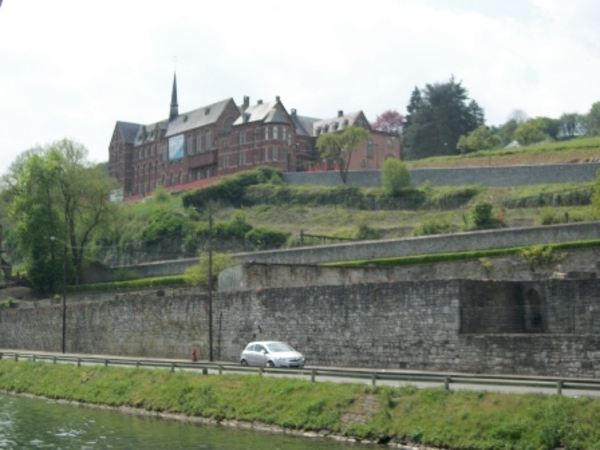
{"x": 72, "y": 68}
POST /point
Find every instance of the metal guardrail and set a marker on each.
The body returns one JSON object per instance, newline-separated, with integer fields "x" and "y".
{"x": 445, "y": 380}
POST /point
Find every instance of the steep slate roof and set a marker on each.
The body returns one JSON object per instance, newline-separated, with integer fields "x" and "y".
{"x": 304, "y": 125}
{"x": 262, "y": 112}
{"x": 128, "y": 131}
{"x": 150, "y": 135}
{"x": 337, "y": 123}
{"x": 197, "y": 118}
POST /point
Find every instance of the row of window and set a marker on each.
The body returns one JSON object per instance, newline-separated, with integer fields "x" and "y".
{"x": 173, "y": 180}
{"x": 245, "y": 158}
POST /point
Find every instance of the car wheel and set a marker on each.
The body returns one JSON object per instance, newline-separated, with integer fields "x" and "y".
{"x": 270, "y": 364}
{"x": 243, "y": 362}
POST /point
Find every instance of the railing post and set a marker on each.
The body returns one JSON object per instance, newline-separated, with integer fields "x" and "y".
{"x": 260, "y": 371}
{"x": 447, "y": 383}
{"x": 54, "y": 359}
{"x": 33, "y": 359}
{"x": 78, "y": 362}
{"x": 16, "y": 356}
{"x": 137, "y": 363}
{"x": 106, "y": 363}
{"x": 373, "y": 379}
{"x": 559, "y": 387}
{"x": 172, "y": 367}
{"x": 1, "y": 355}
{"x": 313, "y": 375}
{"x": 220, "y": 369}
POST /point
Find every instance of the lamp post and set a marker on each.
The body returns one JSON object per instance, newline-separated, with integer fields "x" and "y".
{"x": 64, "y": 294}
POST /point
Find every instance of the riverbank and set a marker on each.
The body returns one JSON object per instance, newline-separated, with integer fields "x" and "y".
{"x": 401, "y": 417}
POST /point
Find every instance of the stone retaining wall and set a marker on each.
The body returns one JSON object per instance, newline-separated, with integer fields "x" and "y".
{"x": 447, "y": 325}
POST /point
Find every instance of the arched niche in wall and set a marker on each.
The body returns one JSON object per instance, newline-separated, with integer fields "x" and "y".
{"x": 535, "y": 312}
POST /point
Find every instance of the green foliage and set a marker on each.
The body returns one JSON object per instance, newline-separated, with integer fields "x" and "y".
{"x": 438, "y": 115}
{"x": 431, "y": 227}
{"x": 230, "y": 189}
{"x": 482, "y": 217}
{"x": 365, "y": 231}
{"x": 431, "y": 417}
{"x": 595, "y": 200}
{"x": 10, "y": 302}
{"x": 125, "y": 275}
{"x": 263, "y": 238}
{"x": 338, "y": 147}
{"x": 531, "y": 132}
{"x": 130, "y": 284}
{"x": 479, "y": 139}
{"x": 450, "y": 197}
{"x": 394, "y": 176}
{"x": 593, "y": 120}
{"x": 549, "y": 195}
{"x": 54, "y": 191}
{"x": 163, "y": 223}
{"x": 198, "y": 275}
{"x": 539, "y": 256}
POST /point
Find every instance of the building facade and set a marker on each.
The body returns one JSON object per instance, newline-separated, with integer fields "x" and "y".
{"x": 195, "y": 148}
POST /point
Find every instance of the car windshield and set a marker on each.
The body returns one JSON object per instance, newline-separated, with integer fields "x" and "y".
{"x": 279, "y": 347}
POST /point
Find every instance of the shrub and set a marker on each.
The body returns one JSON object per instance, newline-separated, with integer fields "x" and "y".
{"x": 162, "y": 223}
{"x": 263, "y": 238}
{"x": 482, "y": 217}
{"x": 10, "y": 302}
{"x": 432, "y": 226}
{"x": 230, "y": 189}
{"x": 394, "y": 176}
{"x": 198, "y": 275}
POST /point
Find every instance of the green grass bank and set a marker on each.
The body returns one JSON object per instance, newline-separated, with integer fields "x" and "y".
{"x": 455, "y": 419}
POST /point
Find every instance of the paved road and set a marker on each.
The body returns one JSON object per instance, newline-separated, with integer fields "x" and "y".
{"x": 506, "y": 384}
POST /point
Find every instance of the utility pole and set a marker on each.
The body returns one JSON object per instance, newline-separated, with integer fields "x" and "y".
{"x": 210, "y": 286}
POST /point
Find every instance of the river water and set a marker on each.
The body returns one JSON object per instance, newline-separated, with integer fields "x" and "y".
{"x": 33, "y": 423}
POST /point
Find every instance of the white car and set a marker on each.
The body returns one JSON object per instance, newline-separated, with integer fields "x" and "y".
{"x": 271, "y": 354}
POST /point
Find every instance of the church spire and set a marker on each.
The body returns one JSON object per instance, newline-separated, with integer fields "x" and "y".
{"x": 174, "y": 106}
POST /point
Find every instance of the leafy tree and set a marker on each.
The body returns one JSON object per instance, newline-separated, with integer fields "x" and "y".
{"x": 506, "y": 132}
{"x": 437, "y": 116}
{"x": 394, "y": 176}
{"x": 198, "y": 275}
{"x": 55, "y": 192}
{"x": 480, "y": 139}
{"x": 390, "y": 121}
{"x": 339, "y": 147}
{"x": 530, "y": 132}
{"x": 571, "y": 125}
{"x": 593, "y": 120}
{"x": 518, "y": 116}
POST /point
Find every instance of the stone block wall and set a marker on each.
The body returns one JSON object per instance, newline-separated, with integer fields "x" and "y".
{"x": 484, "y": 176}
{"x": 444, "y": 325}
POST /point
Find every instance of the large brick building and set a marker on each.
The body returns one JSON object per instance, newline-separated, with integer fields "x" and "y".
{"x": 191, "y": 149}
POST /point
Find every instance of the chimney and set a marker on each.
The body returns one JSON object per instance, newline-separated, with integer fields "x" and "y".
{"x": 259, "y": 102}
{"x": 246, "y": 102}
{"x": 340, "y": 113}
{"x": 277, "y": 98}
{"x": 293, "y": 112}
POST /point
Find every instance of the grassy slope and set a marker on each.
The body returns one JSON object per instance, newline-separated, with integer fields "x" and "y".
{"x": 457, "y": 419}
